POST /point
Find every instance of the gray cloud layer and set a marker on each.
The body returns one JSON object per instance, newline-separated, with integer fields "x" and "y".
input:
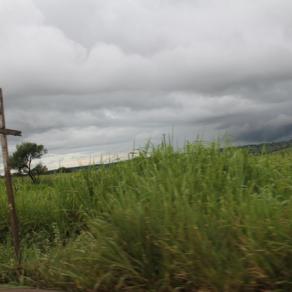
{"x": 93, "y": 75}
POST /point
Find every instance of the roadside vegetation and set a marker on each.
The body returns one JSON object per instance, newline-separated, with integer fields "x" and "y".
{"x": 198, "y": 219}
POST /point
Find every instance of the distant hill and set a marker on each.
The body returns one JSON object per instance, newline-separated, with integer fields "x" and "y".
{"x": 253, "y": 148}
{"x": 79, "y": 168}
{"x": 268, "y": 147}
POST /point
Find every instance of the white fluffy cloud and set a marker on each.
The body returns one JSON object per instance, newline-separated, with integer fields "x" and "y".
{"x": 93, "y": 75}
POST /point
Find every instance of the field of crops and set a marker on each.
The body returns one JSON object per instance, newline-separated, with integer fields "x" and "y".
{"x": 198, "y": 219}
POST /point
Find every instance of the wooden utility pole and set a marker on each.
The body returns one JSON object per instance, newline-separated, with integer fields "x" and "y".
{"x": 14, "y": 227}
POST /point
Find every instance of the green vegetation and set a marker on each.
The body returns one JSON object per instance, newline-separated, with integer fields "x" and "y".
{"x": 22, "y": 158}
{"x": 199, "y": 219}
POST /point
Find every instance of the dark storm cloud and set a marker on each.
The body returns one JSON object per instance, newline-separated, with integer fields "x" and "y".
{"x": 266, "y": 133}
{"x": 94, "y": 75}
{"x": 263, "y": 121}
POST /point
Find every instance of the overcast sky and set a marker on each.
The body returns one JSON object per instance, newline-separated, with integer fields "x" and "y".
{"x": 90, "y": 77}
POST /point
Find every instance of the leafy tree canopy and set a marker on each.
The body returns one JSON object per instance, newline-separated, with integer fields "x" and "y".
{"x": 39, "y": 169}
{"x": 22, "y": 158}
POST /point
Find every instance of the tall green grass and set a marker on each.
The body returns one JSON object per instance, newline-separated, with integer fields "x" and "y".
{"x": 199, "y": 219}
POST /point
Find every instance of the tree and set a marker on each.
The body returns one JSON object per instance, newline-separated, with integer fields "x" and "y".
{"x": 22, "y": 158}
{"x": 40, "y": 169}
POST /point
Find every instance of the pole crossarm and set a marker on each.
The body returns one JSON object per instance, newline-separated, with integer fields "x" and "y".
{"x": 10, "y": 132}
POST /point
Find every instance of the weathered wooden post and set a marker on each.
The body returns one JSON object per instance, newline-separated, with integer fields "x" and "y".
{"x": 8, "y": 180}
